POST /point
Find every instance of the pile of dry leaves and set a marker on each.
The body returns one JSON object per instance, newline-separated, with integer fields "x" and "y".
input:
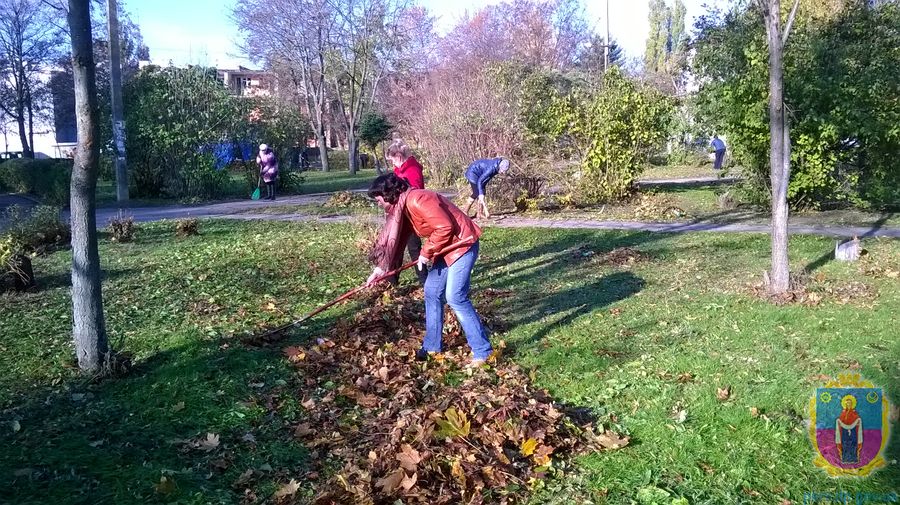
{"x": 434, "y": 432}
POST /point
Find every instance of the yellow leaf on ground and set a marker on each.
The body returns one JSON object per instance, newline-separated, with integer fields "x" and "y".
{"x": 457, "y": 471}
{"x": 528, "y": 447}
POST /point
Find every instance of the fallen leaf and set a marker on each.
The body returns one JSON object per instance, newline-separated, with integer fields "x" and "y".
{"x": 408, "y": 482}
{"x": 244, "y": 479}
{"x": 686, "y": 377}
{"x": 542, "y": 455}
{"x": 166, "y": 485}
{"x": 210, "y": 443}
{"x": 302, "y": 430}
{"x": 456, "y": 471}
{"x": 723, "y": 394}
{"x": 754, "y": 412}
{"x": 528, "y": 446}
{"x": 409, "y": 457}
{"x": 16, "y": 427}
{"x": 391, "y": 481}
{"x": 249, "y": 438}
{"x": 294, "y": 354}
{"x": 178, "y": 407}
{"x": 610, "y": 440}
{"x": 706, "y": 468}
{"x": 289, "y": 489}
{"x": 456, "y": 424}
{"x": 819, "y": 378}
{"x": 309, "y": 404}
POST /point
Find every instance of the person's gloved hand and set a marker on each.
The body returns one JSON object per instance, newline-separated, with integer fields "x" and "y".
{"x": 423, "y": 263}
{"x": 376, "y": 273}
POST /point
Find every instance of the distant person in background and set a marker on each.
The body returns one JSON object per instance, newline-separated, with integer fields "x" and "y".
{"x": 719, "y": 147}
{"x": 407, "y": 167}
{"x": 268, "y": 169}
{"x": 479, "y": 173}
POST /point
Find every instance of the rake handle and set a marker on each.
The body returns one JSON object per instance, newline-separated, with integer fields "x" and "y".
{"x": 352, "y": 292}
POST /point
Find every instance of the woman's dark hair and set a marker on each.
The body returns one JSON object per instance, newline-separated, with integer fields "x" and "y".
{"x": 389, "y": 187}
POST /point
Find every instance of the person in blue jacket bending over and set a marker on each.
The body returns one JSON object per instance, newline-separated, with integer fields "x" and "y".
{"x": 479, "y": 173}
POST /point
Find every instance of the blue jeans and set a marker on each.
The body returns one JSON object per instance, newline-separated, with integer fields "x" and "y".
{"x": 451, "y": 285}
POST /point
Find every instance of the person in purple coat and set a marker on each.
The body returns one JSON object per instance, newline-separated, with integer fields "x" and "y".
{"x": 268, "y": 169}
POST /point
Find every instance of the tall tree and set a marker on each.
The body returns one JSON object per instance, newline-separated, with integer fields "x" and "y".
{"x": 293, "y": 38}
{"x": 593, "y": 56}
{"x": 780, "y": 142}
{"x": 666, "y": 50}
{"x": 658, "y": 38}
{"x": 88, "y": 324}
{"x": 366, "y": 43}
{"x": 29, "y": 42}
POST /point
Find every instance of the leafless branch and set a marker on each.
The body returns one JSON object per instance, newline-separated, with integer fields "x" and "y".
{"x": 790, "y": 23}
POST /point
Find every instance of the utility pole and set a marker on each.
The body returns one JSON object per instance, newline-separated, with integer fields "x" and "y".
{"x": 115, "y": 84}
{"x": 606, "y": 46}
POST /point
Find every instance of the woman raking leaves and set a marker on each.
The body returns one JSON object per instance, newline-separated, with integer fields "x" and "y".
{"x": 449, "y": 256}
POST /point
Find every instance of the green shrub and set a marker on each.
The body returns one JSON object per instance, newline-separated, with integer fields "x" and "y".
{"x": 39, "y": 229}
{"x": 338, "y": 161}
{"x": 290, "y": 181}
{"x": 617, "y": 127}
{"x": 47, "y": 179}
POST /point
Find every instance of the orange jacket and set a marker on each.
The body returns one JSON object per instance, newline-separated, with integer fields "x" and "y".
{"x": 444, "y": 224}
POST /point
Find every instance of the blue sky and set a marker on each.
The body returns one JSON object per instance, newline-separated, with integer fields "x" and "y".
{"x": 201, "y": 31}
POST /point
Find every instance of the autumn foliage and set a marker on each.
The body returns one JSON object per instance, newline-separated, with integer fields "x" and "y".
{"x": 432, "y": 432}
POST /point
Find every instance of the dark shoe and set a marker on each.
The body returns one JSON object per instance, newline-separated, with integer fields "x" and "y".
{"x": 421, "y": 355}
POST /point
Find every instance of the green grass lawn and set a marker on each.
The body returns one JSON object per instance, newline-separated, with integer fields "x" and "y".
{"x": 683, "y": 172}
{"x": 644, "y": 345}
{"x": 237, "y": 187}
{"x": 702, "y": 204}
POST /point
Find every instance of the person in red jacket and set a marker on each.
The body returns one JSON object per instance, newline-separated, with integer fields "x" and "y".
{"x": 407, "y": 167}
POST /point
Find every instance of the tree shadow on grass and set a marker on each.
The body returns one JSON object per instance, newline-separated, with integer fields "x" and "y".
{"x": 556, "y": 284}
{"x": 111, "y": 441}
{"x": 64, "y": 279}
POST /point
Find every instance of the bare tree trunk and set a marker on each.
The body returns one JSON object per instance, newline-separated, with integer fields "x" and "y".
{"x": 88, "y": 325}
{"x": 779, "y": 155}
{"x": 353, "y": 152}
{"x": 23, "y": 135}
{"x": 30, "y": 123}
{"x": 322, "y": 140}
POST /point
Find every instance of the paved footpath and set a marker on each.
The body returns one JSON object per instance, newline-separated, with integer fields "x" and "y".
{"x": 581, "y": 224}
{"x": 243, "y": 210}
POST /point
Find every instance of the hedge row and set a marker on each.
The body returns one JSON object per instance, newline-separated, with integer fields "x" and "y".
{"x": 47, "y": 179}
